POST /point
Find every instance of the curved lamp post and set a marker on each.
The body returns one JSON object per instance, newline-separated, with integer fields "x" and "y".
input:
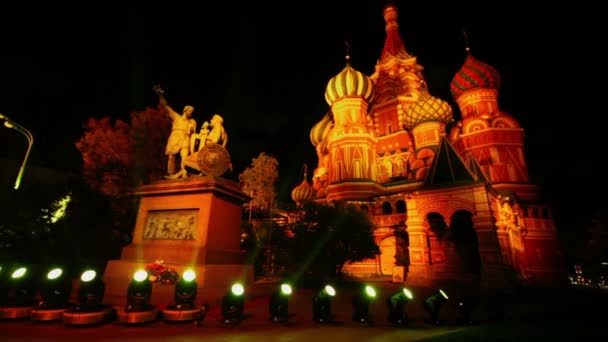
{"x": 30, "y": 141}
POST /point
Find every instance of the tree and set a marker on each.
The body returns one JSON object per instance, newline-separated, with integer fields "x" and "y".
{"x": 327, "y": 236}
{"x": 27, "y": 224}
{"x": 119, "y": 156}
{"x": 259, "y": 181}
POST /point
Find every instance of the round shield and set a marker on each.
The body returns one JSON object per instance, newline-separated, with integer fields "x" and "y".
{"x": 213, "y": 160}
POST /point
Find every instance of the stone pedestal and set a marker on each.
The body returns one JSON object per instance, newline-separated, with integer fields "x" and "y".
{"x": 193, "y": 223}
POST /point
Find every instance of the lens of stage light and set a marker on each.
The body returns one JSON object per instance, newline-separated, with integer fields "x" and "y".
{"x": 408, "y": 293}
{"x": 237, "y": 289}
{"x": 370, "y": 291}
{"x": 443, "y": 294}
{"x": 189, "y": 275}
{"x": 285, "y": 289}
{"x": 54, "y": 273}
{"x": 330, "y": 290}
{"x": 19, "y": 273}
{"x": 140, "y": 275}
{"x": 88, "y": 275}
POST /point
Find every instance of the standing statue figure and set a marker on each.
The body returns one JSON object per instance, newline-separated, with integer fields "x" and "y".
{"x": 178, "y": 144}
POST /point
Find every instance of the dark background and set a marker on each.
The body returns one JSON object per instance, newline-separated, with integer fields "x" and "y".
{"x": 264, "y": 66}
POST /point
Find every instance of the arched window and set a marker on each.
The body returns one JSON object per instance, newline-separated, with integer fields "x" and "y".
{"x": 386, "y": 208}
{"x": 401, "y": 208}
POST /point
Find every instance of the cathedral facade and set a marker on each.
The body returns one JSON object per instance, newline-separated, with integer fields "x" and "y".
{"x": 449, "y": 199}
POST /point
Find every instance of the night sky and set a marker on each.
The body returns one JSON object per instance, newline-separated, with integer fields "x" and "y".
{"x": 264, "y": 66}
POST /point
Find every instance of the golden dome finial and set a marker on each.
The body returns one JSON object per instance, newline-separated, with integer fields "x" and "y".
{"x": 467, "y": 44}
{"x": 347, "y": 47}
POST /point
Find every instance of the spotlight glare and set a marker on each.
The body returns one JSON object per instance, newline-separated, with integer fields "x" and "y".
{"x": 237, "y": 289}
{"x": 88, "y": 275}
{"x": 286, "y": 289}
{"x": 330, "y": 290}
{"x": 140, "y": 275}
{"x": 408, "y": 293}
{"x": 19, "y": 273}
{"x": 189, "y": 275}
{"x": 54, "y": 273}
{"x": 443, "y": 294}
{"x": 370, "y": 291}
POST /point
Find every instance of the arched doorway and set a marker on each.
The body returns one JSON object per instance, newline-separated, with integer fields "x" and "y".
{"x": 464, "y": 236}
{"x": 437, "y": 233}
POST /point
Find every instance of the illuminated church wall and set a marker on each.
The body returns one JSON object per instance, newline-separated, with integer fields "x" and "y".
{"x": 461, "y": 186}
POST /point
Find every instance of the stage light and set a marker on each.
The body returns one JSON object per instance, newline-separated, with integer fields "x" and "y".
{"x": 90, "y": 293}
{"x": 433, "y": 305}
{"x": 465, "y": 306}
{"x": 89, "y": 308}
{"x": 233, "y": 305}
{"x": 55, "y": 293}
{"x": 138, "y": 309}
{"x": 185, "y": 291}
{"x": 361, "y": 301}
{"x": 184, "y": 308}
{"x": 3, "y": 287}
{"x": 279, "y": 303}
{"x": 21, "y": 289}
{"x": 55, "y": 290}
{"x": 396, "y": 306}
{"x": 20, "y": 294}
{"x": 139, "y": 292}
{"x": 321, "y": 304}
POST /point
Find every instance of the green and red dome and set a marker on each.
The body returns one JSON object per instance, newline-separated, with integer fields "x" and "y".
{"x": 474, "y": 74}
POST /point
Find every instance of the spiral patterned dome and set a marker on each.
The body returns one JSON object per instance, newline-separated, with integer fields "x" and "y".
{"x": 349, "y": 82}
{"x": 428, "y": 109}
{"x": 321, "y": 129}
{"x": 303, "y": 192}
{"x": 472, "y": 75}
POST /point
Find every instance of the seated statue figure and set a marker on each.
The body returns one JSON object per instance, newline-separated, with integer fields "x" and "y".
{"x": 218, "y": 134}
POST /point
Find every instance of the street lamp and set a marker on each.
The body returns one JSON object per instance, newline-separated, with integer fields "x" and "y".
{"x": 30, "y": 141}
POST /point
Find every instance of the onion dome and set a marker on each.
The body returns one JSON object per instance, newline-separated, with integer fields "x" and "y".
{"x": 474, "y": 74}
{"x": 303, "y": 192}
{"x": 349, "y": 82}
{"x": 428, "y": 109}
{"x": 320, "y": 130}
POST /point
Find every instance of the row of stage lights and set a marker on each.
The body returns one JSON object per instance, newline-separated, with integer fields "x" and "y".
{"x": 19, "y": 300}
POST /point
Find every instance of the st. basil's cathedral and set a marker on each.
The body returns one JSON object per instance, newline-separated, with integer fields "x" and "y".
{"x": 450, "y": 200}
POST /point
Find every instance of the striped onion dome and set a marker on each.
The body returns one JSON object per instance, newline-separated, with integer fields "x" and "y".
{"x": 321, "y": 129}
{"x": 303, "y": 192}
{"x": 474, "y": 74}
{"x": 428, "y": 109}
{"x": 349, "y": 82}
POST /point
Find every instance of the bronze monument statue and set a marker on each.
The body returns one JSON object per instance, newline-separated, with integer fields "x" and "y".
{"x": 202, "y": 153}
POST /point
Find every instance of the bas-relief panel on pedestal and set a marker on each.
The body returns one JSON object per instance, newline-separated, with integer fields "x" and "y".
{"x": 171, "y": 224}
